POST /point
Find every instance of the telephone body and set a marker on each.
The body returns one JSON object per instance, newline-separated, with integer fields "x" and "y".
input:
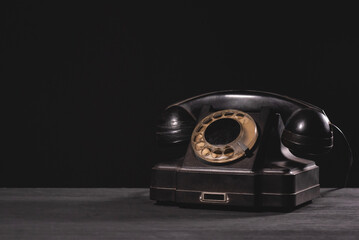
{"x": 240, "y": 148}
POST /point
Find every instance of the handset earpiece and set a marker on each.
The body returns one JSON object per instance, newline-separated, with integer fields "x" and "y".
{"x": 308, "y": 132}
{"x": 175, "y": 126}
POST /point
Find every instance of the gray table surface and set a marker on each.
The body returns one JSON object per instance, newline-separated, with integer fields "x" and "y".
{"x": 103, "y": 213}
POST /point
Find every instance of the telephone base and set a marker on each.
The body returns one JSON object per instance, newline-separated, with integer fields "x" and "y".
{"x": 267, "y": 188}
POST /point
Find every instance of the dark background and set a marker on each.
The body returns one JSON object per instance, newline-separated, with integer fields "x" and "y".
{"x": 87, "y": 82}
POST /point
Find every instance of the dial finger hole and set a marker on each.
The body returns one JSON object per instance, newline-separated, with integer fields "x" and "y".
{"x": 199, "y": 146}
{"x": 216, "y": 153}
{"x": 199, "y": 128}
{"x": 229, "y": 152}
{"x": 206, "y": 151}
{"x": 198, "y": 138}
{"x": 228, "y": 113}
{"x": 217, "y": 115}
{"x": 207, "y": 120}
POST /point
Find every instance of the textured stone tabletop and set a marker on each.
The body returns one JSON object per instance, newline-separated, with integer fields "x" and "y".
{"x": 110, "y": 213}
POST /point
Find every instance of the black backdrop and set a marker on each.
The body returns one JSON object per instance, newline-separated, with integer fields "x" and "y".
{"x": 88, "y": 81}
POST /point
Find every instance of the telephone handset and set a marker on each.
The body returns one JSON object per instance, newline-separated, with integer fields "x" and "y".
{"x": 241, "y": 148}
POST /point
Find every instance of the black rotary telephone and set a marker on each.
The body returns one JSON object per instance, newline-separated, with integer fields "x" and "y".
{"x": 242, "y": 148}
